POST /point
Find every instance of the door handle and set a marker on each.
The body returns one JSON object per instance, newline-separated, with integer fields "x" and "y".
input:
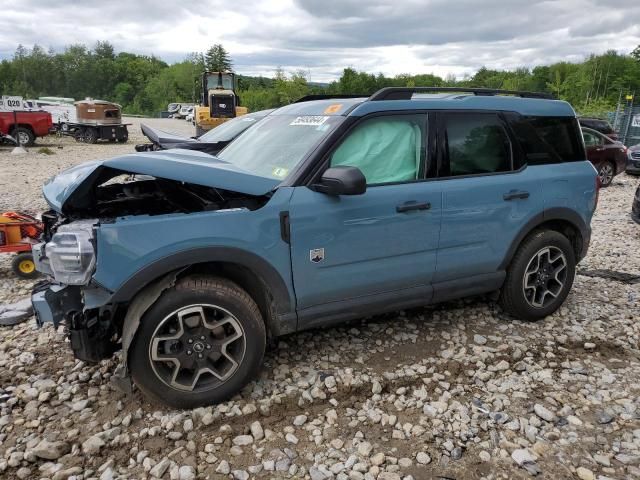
{"x": 515, "y": 194}
{"x": 412, "y": 205}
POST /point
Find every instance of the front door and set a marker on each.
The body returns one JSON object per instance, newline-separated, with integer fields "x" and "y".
{"x": 352, "y": 251}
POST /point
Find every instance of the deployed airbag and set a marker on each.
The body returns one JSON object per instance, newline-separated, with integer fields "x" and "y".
{"x": 385, "y": 150}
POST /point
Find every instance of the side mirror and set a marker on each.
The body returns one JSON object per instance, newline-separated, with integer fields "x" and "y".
{"x": 342, "y": 180}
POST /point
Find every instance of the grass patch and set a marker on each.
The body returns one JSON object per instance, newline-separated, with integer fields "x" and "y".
{"x": 46, "y": 151}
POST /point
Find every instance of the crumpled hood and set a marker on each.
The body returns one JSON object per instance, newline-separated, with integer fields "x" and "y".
{"x": 181, "y": 165}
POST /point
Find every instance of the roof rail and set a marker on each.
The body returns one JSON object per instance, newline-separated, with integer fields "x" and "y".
{"x": 308, "y": 98}
{"x": 405, "y": 93}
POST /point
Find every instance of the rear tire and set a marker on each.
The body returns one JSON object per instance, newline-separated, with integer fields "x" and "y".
{"x": 91, "y": 135}
{"x": 24, "y": 136}
{"x": 539, "y": 277}
{"x": 199, "y": 344}
{"x": 606, "y": 172}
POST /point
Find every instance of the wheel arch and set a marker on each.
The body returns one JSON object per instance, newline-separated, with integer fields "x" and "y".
{"x": 562, "y": 220}
{"x": 251, "y": 272}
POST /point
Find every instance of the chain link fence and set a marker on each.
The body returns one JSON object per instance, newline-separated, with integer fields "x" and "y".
{"x": 626, "y": 122}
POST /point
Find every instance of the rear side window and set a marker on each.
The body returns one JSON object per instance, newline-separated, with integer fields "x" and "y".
{"x": 476, "y": 144}
{"x": 549, "y": 139}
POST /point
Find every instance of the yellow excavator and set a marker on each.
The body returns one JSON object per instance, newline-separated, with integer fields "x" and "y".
{"x": 219, "y": 102}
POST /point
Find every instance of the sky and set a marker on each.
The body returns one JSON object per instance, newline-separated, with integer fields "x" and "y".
{"x": 321, "y": 37}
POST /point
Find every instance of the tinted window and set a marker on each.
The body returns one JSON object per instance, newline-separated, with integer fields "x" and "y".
{"x": 476, "y": 144}
{"x": 549, "y": 139}
{"x": 385, "y": 149}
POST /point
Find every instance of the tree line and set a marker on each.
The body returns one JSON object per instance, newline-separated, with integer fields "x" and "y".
{"x": 145, "y": 84}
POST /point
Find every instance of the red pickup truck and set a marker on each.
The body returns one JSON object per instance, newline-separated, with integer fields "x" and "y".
{"x": 29, "y": 125}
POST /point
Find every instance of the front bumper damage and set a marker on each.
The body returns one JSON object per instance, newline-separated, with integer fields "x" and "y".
{"x": 50, "y": 302}
{"x": 96, "y": 327}
{"x": 83, "y": 312}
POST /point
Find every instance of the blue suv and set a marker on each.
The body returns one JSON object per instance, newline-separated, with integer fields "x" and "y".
{"x": 327, "y": 210}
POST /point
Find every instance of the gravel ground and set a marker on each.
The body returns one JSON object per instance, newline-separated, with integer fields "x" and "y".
{"x": 453, "y": 391}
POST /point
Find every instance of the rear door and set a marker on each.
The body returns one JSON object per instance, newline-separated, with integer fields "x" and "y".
{"x": 488, "y": 195}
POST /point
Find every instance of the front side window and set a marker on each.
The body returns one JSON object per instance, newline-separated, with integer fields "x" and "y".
{"x": 476, "y": 143}
{"x": 386, "y": 149}
{"x": 591, "y": 139}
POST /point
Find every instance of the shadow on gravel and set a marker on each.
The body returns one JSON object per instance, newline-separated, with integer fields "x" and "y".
{"x": 623, "y": 277}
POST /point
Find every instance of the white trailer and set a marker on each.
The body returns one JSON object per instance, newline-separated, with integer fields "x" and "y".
{"x": 62, "y": 114}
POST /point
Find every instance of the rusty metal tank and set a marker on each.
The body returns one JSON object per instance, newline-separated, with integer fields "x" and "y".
{"x": 98, "y": 112}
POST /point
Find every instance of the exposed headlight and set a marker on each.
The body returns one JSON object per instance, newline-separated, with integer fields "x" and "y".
{"x": 71, "y": 255}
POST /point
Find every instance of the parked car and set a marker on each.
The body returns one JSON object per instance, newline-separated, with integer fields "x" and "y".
{"x": 608, "y": 156}
{"x": 173, "y": 108}
{"x": 633, "y": 160}
{"x": 25, "y": 126}
{"x": 324, "y": 211}
{"x": 635, "y": 208}
{"x": 184, "y": 110}
{"x": 599, "y": 125}
{"x": 210, "y": 142}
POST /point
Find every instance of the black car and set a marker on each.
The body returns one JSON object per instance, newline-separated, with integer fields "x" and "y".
{"x": 210, "y": 142}
{"x": 599, "y": 125}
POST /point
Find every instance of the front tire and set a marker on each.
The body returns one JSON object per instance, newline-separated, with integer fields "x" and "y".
{"x": 539, "y": 277}
{"x": 199, "y": 344}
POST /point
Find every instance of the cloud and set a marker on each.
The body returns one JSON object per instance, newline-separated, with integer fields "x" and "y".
{"x": 401, "y": 36}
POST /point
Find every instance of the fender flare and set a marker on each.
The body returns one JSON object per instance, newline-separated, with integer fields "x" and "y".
{"x": 180, "y": 260}
{"x": 557, "y": 213}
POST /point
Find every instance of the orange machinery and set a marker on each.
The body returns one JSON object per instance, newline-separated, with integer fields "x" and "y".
{"x": 18, "y": 232}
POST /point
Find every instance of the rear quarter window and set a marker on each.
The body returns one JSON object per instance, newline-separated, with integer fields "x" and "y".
{"x": 547, "y": 140}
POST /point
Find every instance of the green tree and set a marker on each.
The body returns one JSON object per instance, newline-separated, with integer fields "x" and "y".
{"x": 217, "y": 59}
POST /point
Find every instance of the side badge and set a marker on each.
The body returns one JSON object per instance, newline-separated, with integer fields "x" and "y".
{"x": 316, "y": 255}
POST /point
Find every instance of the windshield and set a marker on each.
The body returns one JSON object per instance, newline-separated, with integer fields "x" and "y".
{"x": 212, "y": 81}
{"x": 278, "y": 143}
{"x": 231, "y": 129}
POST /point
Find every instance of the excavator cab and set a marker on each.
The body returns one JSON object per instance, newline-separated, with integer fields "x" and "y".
{"x": 219, "y": 101}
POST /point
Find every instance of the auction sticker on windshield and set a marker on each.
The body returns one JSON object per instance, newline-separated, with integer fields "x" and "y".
{"x": 310, "y": 120}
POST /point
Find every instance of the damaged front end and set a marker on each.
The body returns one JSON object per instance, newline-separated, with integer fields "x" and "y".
{"x": 112, "y": 195}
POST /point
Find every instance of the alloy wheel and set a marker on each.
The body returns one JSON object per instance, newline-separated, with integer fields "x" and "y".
{"x": 544, "y": 277}
{"x": 197, "y": 348}
{"x": 606, "y": 174}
